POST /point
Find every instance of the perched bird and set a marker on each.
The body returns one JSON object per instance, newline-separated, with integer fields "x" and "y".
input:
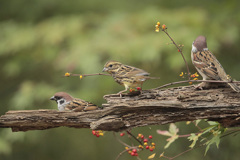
{"x": 66, "y": 102}
{"x": 207, "y": 64}
{"x": 125, "y": 75}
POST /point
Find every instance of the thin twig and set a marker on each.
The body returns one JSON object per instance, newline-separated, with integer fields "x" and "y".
{"x": 85, "y": 75}
{"x": 187, "y": 81}
{"x": 165, "y": 31}
{"x": 125, "y": 144}
{"x": 134, "y": 137}
{"x": 120, "y": 154}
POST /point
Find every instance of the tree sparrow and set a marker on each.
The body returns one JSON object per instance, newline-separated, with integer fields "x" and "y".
{"x": 66, "y": 102}
{"x": 207, "y": 64}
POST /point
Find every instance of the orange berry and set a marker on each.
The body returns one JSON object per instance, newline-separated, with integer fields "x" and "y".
{"x": 190, "y": 82}
{"x": 164, "y": 26}
{"x": 67, "y": 74}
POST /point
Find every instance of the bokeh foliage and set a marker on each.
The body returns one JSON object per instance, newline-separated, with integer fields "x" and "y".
{"x": 41, "y": 40}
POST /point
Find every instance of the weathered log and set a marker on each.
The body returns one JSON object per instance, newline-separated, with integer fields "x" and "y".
{"x": 152, "y": 107}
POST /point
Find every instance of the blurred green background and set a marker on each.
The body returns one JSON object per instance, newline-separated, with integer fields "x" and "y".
{"x": 41, "y": 40}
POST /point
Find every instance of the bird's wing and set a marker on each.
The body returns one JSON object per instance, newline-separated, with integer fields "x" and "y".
{"x": 130, "y": 71}
{"x": 207, "y": 63}
{"x": 79, "y": 105}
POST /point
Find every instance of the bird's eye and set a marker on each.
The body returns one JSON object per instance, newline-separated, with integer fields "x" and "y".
{"x": 110, "y": 65}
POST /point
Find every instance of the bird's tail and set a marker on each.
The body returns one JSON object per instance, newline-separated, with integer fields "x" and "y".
{"x": 234, "y": 87}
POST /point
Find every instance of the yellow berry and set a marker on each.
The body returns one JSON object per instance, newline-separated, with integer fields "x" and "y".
{"x": 153, "y": 144}
{"x": 158, "y": 23}
{"x": 80, "y": 76}
{"x": 126, "y": 148}
{"x": 145, "y": 144}
{"x": 140, "y": 146}
{"x": 181, "y": 74}
{"x": 67, "y": 74}
{"x": 156, "y": 30}
{"x": 101, "y": 134}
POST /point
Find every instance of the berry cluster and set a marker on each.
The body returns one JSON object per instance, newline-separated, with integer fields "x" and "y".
{"x": 132, "y": 90}
{"x": 158, "y": 25}
{"x": 132, "y": 152}
{"x": 97, "y": 133}
{"x": 147, "y": 142}
{"x": 193, "y": 76}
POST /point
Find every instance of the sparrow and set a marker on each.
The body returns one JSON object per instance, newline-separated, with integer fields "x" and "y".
{"x": 125, "y": 75}
{"x": 68, "y": 103}
{"x": 207, "y": 64}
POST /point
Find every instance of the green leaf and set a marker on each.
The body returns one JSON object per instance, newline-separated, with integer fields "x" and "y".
{"x": 173, "y": 129}
{"x": 198, "y": 121}
{"x": 215, "y": 139}
{"x": 193, "y": 138}
{"x": 171, "y": 140}
{"x": 212, "y": 123}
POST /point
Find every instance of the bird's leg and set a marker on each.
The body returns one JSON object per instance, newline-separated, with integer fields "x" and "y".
{"x": 125, "y": 90}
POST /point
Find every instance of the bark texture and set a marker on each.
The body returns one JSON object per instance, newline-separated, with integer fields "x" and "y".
{"x": 152, "y": 107}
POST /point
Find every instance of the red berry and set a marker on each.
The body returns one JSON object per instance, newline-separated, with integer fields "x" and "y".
{"x": 132, "y": 154}
{"x": 139, "y": 88}
{"x": 134, "y": 150}
{"x": 135, "y": 154}
{"x": 150, "y": 136}
{"x": 122, "y": 134}
{"x": 179, "y": 50}
{"x": 93, "y": 132}
{"x": 151, "y": 149}
{"x": 147, "y": 147}
{"x": 142, "y": 137}
{"x": 145, "y": 140}
{"x": 97, "y": 135}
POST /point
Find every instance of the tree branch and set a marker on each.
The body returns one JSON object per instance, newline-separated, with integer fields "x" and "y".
{"x": 152, "y": 107}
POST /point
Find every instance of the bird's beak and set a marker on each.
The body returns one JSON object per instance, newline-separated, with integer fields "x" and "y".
{"x": 52, "y": 98}
{"x": 104, "y": 69}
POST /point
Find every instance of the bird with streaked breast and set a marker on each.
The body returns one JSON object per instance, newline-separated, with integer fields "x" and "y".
{"x": 66, "y": 102}
{"x": 207, "y": 64}
{"x": 125, "y": 75}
